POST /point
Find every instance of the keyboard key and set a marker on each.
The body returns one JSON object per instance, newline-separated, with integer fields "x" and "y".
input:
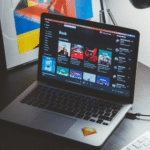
{"x": 116, "y": 108}
{"x": 79, "y": 116}
{"x": 52, "y": 104}
{"x": 92, "y": 120}
{"x": 108, "y": 110}
{"x": 94, "y": 111}
{"x": 137, "y": 144}
{"x": 144, "y": 148}
{"x": 101, "y": 112}
{"x": 105, "y": 118}
{"x": 141, "y": 140}
{"x": 107, "y": 114}
{"x": 76, "y": 110}
{"x": 88, "y": 113}
{"x": 146, "y": 143}
{"x": 86, "y": 118}
{"x": 57, "y": 105}
{"x": 99, "y": 121}
{"x": 94, "y": 115}
{"x": 82, "y": 112}
{"x": 69, "y": 109}
{"x": 64, "y": 107}
{"x": 131, "y": 147}
{"x": 46, "y": 102}
{"x": 105, "y": 123}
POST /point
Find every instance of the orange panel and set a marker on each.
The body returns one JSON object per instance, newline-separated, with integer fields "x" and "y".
{"x": 66, "y": 7}
{"x": 34, "y": 11}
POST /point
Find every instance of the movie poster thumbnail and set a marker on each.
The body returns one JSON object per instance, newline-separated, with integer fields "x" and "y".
{"x": 48, "y": 64}
{"x": 104, "y": 57}
{"x": 62, "y": 71}
{"x": 89, "y": 77}
{"x": 103, "y": 80}
{"x": 77, "y": 51}
{"x": 91, "y": 54}
{"x": 75, "y": 74}
{"x": 64, "y": 48}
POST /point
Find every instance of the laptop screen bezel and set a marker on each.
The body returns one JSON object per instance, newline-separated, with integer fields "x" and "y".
{"x": 81, "y": 89}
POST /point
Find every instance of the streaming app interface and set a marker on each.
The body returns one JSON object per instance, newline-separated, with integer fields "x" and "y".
{"x": 91, "y": 57}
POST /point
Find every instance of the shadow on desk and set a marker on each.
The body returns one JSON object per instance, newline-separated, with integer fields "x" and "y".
{"x": 17, "y": 137}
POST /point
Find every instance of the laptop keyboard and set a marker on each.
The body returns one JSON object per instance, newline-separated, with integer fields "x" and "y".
{"x": 72, "y": 104}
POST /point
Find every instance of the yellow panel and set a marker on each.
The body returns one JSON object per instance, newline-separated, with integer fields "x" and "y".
{"x": 31, "y": 3}
{"x": 29, "y": 40}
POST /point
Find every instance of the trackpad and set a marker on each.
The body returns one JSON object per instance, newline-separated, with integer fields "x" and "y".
{"x": 52, "y": 123}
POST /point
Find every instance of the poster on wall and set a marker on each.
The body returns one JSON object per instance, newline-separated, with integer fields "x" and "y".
{"x": 20, "y": 24}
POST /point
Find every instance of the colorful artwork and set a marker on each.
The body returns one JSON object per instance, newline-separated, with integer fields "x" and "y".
{"x": 28, "y": 12}
{"x": 27, "y": 21}
{"x": 88, "y": 131}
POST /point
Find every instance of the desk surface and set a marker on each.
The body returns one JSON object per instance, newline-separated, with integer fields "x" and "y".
{"x": 14, "y": 137}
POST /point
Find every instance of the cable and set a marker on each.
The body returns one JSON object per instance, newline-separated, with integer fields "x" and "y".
{"x": 135, "y": 115}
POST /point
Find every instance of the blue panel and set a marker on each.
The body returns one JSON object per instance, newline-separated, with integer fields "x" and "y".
{"x": 25, "y": 24}
{"x": 41, "y": 1}
{"x": 83, "y": 9}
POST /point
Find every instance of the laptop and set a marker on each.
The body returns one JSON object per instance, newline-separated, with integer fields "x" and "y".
{"x": 86, "y": 79}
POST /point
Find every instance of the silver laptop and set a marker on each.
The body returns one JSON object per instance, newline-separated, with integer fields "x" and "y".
{"x": 86, "y": 79}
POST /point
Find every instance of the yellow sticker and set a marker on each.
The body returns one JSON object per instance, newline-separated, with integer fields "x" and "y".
{"x": 88, "y": 130}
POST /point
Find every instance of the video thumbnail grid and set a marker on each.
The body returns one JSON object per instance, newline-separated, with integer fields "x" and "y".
{"x": 49, "y": 65}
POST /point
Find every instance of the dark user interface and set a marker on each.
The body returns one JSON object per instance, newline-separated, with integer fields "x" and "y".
{"x": 87, "y": 56}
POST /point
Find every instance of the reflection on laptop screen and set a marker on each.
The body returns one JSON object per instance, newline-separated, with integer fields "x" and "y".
{"x": 90, "y": 57}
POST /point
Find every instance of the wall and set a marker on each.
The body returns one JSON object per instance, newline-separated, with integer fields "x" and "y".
{"x": 128, "y": 16}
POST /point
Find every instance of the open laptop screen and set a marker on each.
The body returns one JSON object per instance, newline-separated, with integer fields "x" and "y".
{"x": 88, "y": 56}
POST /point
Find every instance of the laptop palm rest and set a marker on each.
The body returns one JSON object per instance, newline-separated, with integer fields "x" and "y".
{"x": 52, "y": 123}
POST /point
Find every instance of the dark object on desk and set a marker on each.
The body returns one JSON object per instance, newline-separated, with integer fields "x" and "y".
{"x": 141, "y": 4}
